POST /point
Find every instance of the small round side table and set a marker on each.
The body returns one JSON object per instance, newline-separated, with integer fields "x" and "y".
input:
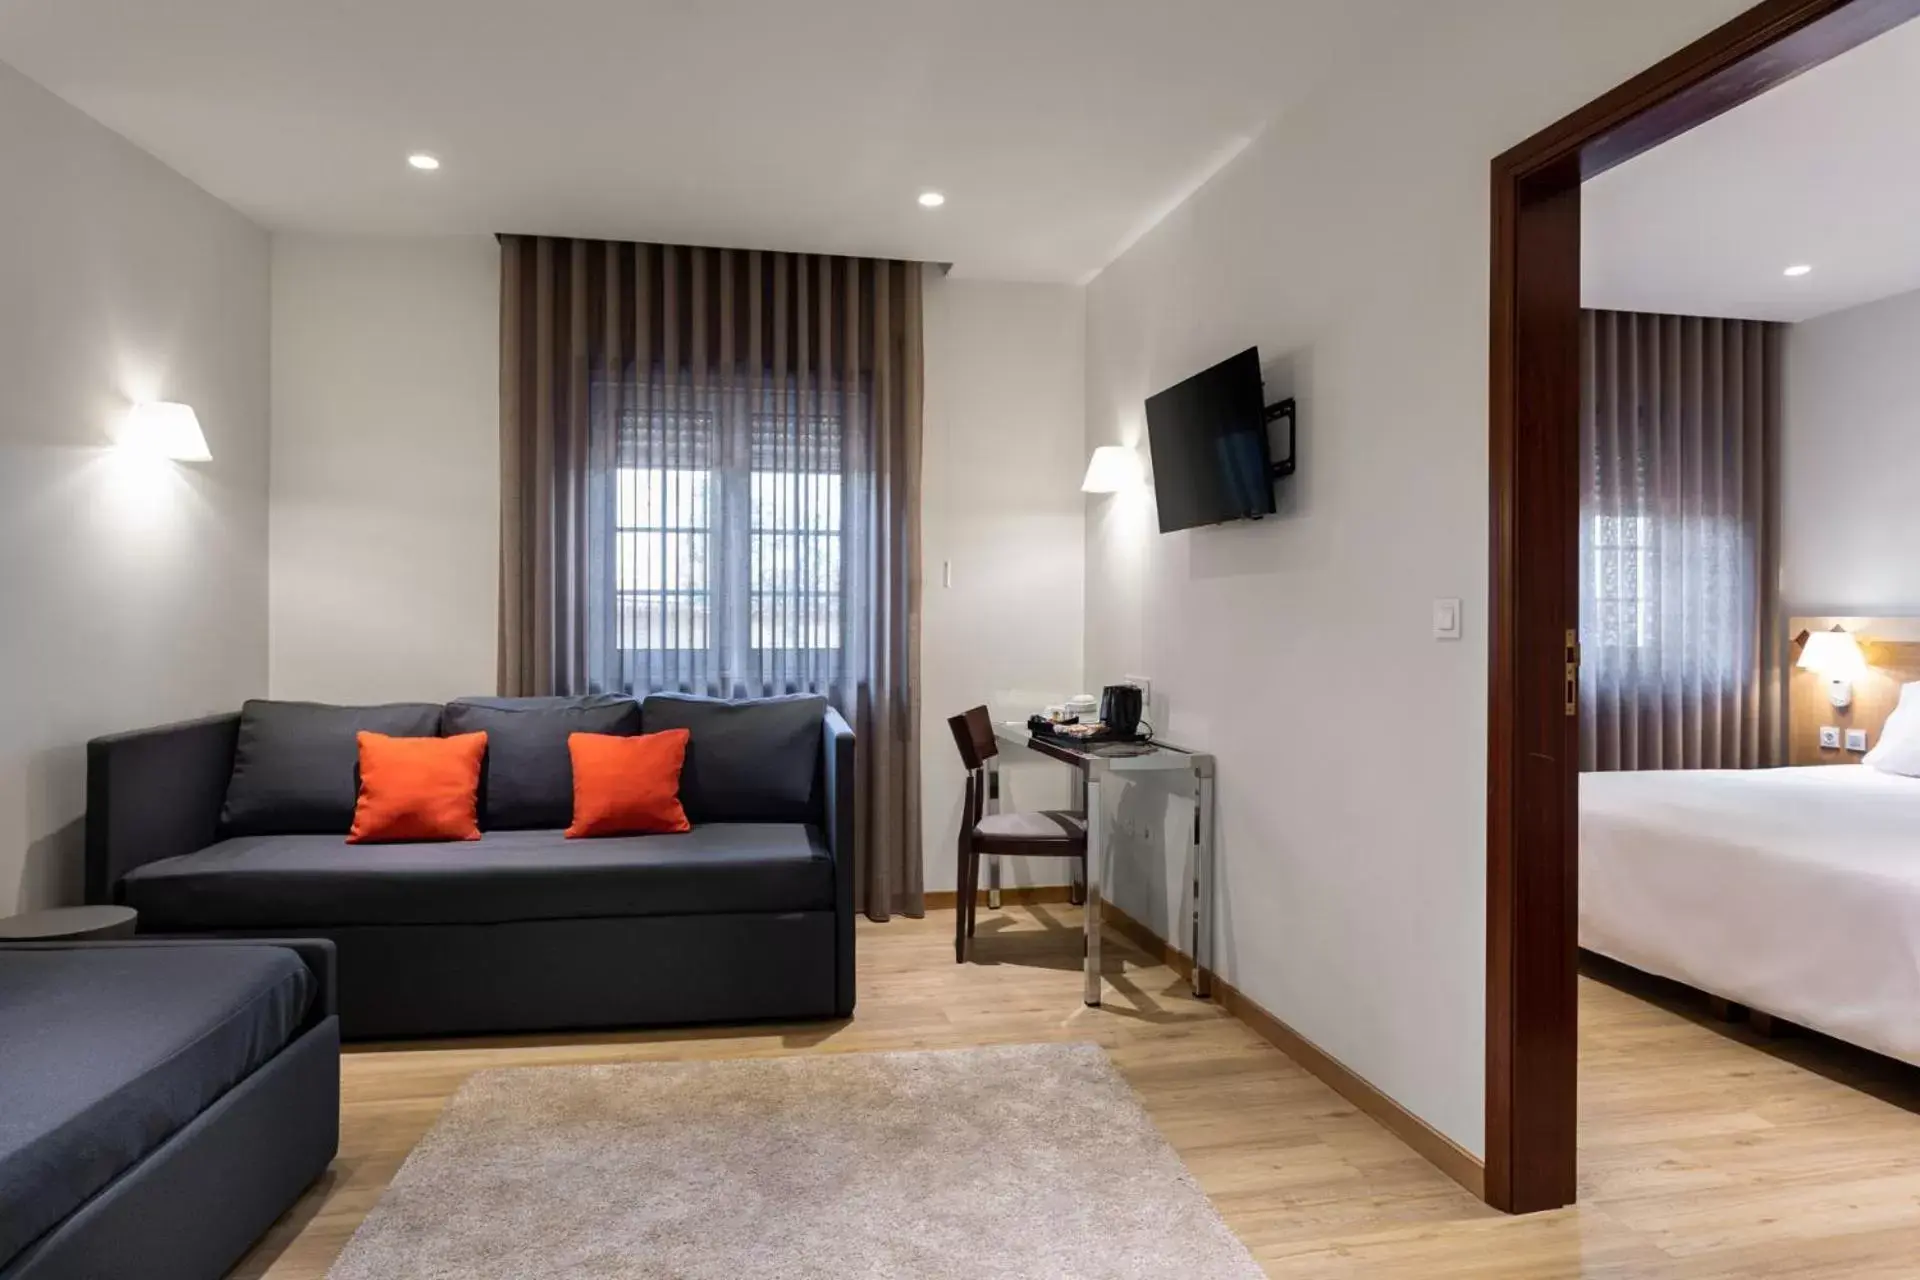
{"x": 70, "y": 924}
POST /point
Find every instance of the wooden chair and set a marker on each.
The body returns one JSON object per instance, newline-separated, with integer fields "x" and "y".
{"x": 1049, "y": 834}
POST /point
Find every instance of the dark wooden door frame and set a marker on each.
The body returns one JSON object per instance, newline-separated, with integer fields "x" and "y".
{"x": 1533, "y": 744}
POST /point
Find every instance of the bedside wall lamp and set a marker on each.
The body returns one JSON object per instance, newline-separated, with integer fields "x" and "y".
{"x": 1113, "y": 468}
{"x": 161, "y": 429}
{"x": 1836, "y": 656}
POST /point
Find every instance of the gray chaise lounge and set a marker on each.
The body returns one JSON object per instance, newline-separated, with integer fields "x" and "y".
{"x": 161, "y": 1102}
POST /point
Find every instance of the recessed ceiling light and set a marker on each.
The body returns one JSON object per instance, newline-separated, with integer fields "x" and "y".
{"x": 931, "y": 199}
{"x": 1802, "y": 270}
{"x": 421, "y": 160}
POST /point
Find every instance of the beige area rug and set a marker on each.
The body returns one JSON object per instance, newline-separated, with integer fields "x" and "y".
{"x": 1030, "y": 1161}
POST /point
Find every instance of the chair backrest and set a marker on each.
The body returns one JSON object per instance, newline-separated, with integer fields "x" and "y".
{"x": 973, "y": 734}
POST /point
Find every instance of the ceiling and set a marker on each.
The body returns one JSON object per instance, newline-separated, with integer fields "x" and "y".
{"x": 1059, "y": 130}
{"x": 1823, "y": 171}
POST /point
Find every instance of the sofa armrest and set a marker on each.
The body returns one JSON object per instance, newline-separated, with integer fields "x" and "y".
{"x": 153, "y": 794}
{"x": 837, "y": 758}
{"x": 315, "y": 953}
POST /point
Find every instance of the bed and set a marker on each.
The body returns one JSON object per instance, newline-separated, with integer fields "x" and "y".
{"x": 1792, "y": 891}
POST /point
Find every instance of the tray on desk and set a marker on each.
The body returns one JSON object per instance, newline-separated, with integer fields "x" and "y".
{"x": 1042, "y": 728}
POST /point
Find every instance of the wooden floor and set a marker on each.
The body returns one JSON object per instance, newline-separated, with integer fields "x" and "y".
{"x": 1705, "y": 1153}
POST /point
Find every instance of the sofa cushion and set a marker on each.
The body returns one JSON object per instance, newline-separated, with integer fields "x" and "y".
{"x": 528, "y": 780}
{"x": 108, "y": 1051}
{"x": 627, "y": 786}
{"x": 751, "y": 761}
{"x": 274, "y": 882}
{"x": 294, "y": 763}
{"x": 415, "y": 789}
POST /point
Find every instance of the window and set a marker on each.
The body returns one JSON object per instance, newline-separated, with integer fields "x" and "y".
{"x": 794, "y": 586}
{"x": 663, "y": 546}
{"x": 1660, "y": 585}
{"x": 1622, "y": 581}
{"x": 728, "y": 525}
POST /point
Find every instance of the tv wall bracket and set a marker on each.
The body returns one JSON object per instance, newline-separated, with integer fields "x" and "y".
{"x": 1285, "y": 411}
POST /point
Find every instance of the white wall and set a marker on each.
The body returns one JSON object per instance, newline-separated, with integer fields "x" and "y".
{"x": 1001, "y": 504}
{"x": 135, "y": 589}
{"x": 1349, "y": 243}
{"x": 1850, "y": 541}
{"x": 386, "y": 478}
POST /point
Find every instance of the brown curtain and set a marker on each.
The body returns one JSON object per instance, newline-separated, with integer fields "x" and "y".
{"x": 1683, "y": 653}
{"x": 710, "y": 483}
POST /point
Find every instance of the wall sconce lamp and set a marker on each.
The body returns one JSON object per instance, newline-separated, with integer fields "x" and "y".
{"x": 1836, "y": 657}
{"x": 160, "y": 429}
{"x": 1113, "y": 468}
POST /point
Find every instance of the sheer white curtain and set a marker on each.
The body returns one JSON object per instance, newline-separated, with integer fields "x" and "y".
{"x": 1683, "y": 664}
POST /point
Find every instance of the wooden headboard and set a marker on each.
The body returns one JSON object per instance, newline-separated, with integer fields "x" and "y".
{"x": 1892, "y": 646}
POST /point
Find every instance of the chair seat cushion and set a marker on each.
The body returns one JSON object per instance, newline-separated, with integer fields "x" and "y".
{"x": 1047, "y": 827}
{"x": 106, "y": 1052}
{"x": 272, "y": 882}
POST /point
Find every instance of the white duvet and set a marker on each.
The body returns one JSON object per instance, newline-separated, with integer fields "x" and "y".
{"x": 1794, "y": 891}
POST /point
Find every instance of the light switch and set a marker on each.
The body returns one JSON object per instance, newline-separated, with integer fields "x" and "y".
{"x": 1446, "y": 619}
{"x": 1829, "y": 737}
{"x": 1857, "y": 740}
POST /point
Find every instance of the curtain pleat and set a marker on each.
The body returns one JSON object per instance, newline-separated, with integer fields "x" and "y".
{"x": 1684, "y": 662}
{"x": 710, "y": 484}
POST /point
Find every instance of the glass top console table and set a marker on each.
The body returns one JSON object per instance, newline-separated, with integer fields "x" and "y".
{"x": 1094, "y": 767}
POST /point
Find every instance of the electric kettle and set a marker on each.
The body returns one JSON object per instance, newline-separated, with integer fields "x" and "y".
{"x": 1121, "y": 707}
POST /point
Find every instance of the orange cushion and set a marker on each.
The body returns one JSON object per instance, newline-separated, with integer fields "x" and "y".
{"x": 627, "y": 786}
{"x": 418, "y": 788}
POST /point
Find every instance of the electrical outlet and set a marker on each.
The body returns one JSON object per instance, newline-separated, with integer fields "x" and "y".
{"x": 1829, "y": 737}
{"x": 1145, "y": 686}
{"x": 1857, "y": 741}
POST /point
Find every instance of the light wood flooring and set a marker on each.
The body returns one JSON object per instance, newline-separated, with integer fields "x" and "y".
{"x": 1706, "y": 1154}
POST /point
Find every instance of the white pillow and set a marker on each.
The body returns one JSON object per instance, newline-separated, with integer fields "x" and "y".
{"x": 1899, "y": 749}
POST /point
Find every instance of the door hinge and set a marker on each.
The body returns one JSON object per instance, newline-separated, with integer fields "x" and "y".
{"x": 1573, "y": 673}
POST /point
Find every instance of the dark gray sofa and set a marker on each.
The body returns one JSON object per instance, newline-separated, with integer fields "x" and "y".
{"x": 747, "y": 917}
{"x": 164, "y": 1102}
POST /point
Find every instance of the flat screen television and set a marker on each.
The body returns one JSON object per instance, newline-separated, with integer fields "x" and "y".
{"x": 1211, "y": 459}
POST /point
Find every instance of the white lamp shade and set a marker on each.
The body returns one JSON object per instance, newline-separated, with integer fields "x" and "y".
{"x": 165, "y": 430}
{"x": 1114, "y": 467}
{"x": 1835, "y": 655}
